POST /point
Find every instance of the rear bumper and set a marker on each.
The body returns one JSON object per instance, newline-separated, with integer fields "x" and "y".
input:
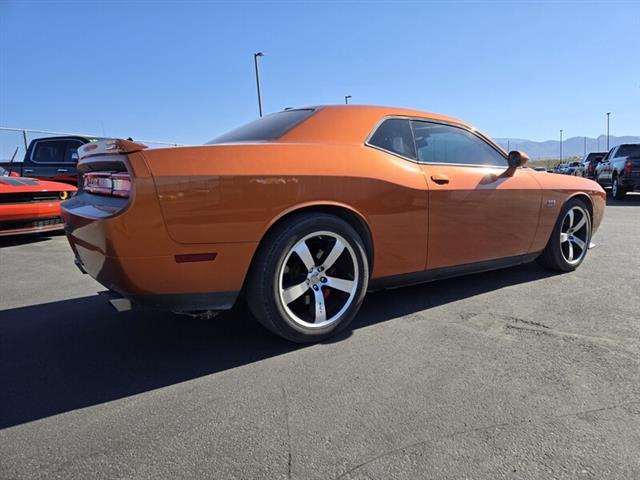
{"x": 630, "y": 181}
{"x": 127, "y": 249}
{"x": 148, "y": 281}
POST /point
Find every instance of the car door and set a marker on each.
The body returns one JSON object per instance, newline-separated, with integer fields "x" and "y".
{"x": 603, "y": 169}
{"x": 53, "y": 159}
{"x": 476, "y": 212}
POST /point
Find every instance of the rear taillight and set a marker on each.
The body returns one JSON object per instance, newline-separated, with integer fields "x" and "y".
{"x": 627, "y": 166}
{"x": 116, "y": 184}
{"x": 590, "y": 168}
{"x": 121, "y": 183}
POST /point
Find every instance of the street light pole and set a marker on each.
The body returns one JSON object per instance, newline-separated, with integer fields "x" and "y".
{"x": 255, "y": 62}
{"x": 560, "y": 145}
{"x": 585, "y": 146}
{"x": 346, "y": 99}
{"x": 608, "y": 113}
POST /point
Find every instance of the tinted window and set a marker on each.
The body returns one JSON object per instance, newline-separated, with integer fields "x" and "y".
{"x": 266, "y": 128}
{"x": 628, "y": 151}
{"x": 48, "y": 151}
{"x": 395, "y": 136}
{"x": 594, "y": 157}
{"x": 71, "y": 148}
{"x": 446, "y": 144}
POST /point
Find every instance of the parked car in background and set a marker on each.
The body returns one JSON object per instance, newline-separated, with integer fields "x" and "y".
{"x": 50, "y": 158}
{"x": 30, "y": 205}
{"x": 620, "y": 170}
{"x": 588, "y": 165}
{"x": 571, "y": 167}
{"x": 306, "y": 209}
{"x": 540, "y": 169}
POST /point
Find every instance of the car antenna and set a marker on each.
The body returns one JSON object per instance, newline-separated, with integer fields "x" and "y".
{"x": 11, "y": 161}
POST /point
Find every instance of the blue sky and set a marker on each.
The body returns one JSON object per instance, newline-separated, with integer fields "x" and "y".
{"x": 183, "y": 71}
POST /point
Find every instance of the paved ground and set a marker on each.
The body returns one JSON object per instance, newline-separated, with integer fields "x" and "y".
{"x": 509, "y": 374}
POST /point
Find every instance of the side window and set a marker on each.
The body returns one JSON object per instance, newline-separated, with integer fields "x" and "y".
{"x": 437, "y": 143}
{"x": 71, "y": 148}
{"x": 394, "y": 135}
{"x": 49, "y": 151}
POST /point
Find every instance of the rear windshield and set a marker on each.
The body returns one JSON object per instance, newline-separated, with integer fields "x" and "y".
{"x": 628, "y": 151}
{"x": 266, "y": 128}
{"x": 594, "y": 157}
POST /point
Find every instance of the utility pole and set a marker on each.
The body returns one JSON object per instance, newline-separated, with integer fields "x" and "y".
{"x": 508, "y": 145}
{"x": 560, "y": 145}
{"x": 346, "y": 99}
{"x": 608, "y": 114}
{"x": 585, "y": 146}
{"x": 255, "y": 62}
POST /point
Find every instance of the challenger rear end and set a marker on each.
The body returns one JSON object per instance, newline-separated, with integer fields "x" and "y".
{"x": 117, "y": 231}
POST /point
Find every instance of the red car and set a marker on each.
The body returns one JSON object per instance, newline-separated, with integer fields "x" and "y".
{"x": 29, "y": 205}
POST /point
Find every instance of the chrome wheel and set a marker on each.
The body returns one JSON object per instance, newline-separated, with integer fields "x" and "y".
{"x": 318, "y": 279}
{"x": 575, "y": 234}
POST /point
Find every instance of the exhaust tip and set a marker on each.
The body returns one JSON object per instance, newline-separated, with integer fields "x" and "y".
{"x": 117, "y": 301}
{"x": 121, "y": 304}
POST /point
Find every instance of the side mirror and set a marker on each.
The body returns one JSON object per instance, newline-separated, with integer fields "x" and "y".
{"x": 517, "y": 159}
{"x": 74, "y": 156}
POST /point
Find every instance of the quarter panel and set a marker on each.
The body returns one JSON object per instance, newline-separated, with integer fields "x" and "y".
{"x": 222, "y": 194}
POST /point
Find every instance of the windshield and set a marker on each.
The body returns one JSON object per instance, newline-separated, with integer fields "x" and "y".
{"x": 3, "y": 172}
{"x": 266, "y": 128}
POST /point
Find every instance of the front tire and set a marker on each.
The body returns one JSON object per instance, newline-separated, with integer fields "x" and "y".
{"x": 309, "y": 278}
{"x": 570, "y": 239}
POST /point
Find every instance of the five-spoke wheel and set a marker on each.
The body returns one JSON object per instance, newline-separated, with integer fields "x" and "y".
{"x": 309, "y": 277}
{"x": 570, "y": 239}
{"x": 318, "y": 279}
{"x": 574, "y": 234}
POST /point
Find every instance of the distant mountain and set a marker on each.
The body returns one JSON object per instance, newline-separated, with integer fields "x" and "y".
{"x": 571, "y": 147}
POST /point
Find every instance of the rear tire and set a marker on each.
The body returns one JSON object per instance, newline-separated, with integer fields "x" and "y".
{"x": 570, "y": 239}
{"x": 617, "y": 191}
{"x": 309, "y": 278}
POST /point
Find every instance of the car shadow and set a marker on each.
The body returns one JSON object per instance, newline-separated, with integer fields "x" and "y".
{"x": 61, "y": 356}
{"x": 13, "y": 240}
{"x": 631, "y": 199}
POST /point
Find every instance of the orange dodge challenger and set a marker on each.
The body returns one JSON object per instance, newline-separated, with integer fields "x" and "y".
{"x": 305, "y": 210}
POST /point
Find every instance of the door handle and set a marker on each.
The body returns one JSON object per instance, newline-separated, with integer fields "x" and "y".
{"x": 440, "y": 178}
{"x": 27, "y": 170}
{"x": 62, "y": 170}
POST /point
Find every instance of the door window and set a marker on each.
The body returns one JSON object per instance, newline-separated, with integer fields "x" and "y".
{"x": 55, "y": 151}
{"x": 436, "y": 143}
{"x": 71, "y": 148}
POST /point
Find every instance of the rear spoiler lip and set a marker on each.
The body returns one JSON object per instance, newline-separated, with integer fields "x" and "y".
{"x": 111, "y": 146}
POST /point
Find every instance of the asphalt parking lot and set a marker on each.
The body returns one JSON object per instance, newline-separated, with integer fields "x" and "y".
{"x": 516, "y": 373}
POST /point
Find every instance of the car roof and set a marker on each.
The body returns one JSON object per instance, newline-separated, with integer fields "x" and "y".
{"x": 354, "y": 123}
